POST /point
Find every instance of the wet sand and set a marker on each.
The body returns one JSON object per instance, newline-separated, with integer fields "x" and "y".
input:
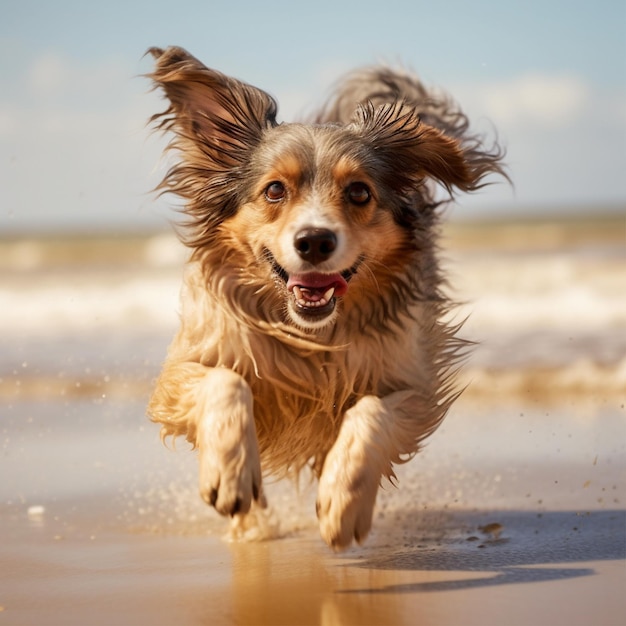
{"x": 116, "y": 579}
{"x": 505, "y": 518}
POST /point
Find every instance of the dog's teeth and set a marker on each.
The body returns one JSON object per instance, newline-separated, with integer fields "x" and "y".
{"x": 297, "y": 292}
{"x": 328, "y": 295}
{"x": 303, "y": 302}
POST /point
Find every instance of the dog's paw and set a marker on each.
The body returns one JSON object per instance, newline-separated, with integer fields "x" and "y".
{"x": 231, "y": 480}
{"x": 346, "y": 496}
{"x": 230, "y": 467}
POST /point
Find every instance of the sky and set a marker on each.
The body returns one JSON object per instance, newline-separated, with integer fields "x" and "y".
{"x": 548, "y": 76}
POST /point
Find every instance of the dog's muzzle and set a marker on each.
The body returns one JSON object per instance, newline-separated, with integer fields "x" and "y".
{"x": 313, "y": 295}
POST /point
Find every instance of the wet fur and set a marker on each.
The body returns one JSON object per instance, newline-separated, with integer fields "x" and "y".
{"x": 257, "y": 392}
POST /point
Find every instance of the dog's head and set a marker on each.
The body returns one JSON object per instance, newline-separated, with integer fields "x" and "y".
{"x": 313, "y": 209}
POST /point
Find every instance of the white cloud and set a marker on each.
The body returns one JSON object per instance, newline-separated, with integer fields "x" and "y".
{"x": 48, "y": 74}
{"x": 7, "y": 122}
{"x": 565, "y": 138}
{"x": 547, "y": 100}
{"x": 75, "y": 145}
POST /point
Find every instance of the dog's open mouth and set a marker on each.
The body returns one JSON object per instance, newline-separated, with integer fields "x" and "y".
{"x": 313, "y": 295}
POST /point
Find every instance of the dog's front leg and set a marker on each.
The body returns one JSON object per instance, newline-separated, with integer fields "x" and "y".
{"x": 363, "y": 452}
{"x": 213, "y": 408}
{"x": 230, "y": 469}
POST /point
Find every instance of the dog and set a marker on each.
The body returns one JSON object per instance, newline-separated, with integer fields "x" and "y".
{"x": 313, "y": 312}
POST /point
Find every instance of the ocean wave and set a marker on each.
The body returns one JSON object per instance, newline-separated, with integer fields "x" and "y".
{"x": 542, "y": 320}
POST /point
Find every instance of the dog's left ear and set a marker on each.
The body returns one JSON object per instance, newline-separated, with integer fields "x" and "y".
{"x": 412, "y": 151}
{"x": 221, "y": 116}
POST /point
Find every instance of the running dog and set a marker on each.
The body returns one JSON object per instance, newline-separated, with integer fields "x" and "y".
{"x": 313, "y": 314}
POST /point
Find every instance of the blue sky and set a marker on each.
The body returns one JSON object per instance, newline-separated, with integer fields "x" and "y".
{"x": 550, "y": 76}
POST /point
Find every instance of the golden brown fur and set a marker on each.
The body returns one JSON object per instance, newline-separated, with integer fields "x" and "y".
{"x": 266, "y": 370}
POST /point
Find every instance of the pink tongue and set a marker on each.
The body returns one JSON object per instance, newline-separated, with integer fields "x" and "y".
{"x": 318, "y": 282}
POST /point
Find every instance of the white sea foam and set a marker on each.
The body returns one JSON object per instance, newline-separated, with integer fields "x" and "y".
{"x": 524, "y": 308}
{"x": 555, "y": 291}
{"x": 49, "y": 307}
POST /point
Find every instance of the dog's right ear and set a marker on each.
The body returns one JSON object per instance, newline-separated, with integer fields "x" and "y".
{"x": 216, "y": 122}
{"x": 212, "y": 115}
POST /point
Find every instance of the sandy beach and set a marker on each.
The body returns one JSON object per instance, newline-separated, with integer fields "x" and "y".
{"x": 103, "y": 526}
{"x": 513, "y": 514}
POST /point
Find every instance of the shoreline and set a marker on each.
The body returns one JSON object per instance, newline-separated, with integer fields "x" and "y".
{"x": 580, "y": 379}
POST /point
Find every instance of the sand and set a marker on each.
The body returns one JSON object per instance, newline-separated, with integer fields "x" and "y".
{"x": 505, "y": 518}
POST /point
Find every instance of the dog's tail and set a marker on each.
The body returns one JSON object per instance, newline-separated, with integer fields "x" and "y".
{"x": 384, "y": 85}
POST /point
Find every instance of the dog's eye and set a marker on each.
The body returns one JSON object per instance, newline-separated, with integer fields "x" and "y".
{"x": 275, "y": 191}
{"x": 359, "y": 193}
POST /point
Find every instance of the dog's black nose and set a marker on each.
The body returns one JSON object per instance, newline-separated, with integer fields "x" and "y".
{"x": 315, "y": 245}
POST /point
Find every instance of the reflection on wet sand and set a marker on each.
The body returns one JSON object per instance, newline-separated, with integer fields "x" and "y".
{"x": 297, "y": 582}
